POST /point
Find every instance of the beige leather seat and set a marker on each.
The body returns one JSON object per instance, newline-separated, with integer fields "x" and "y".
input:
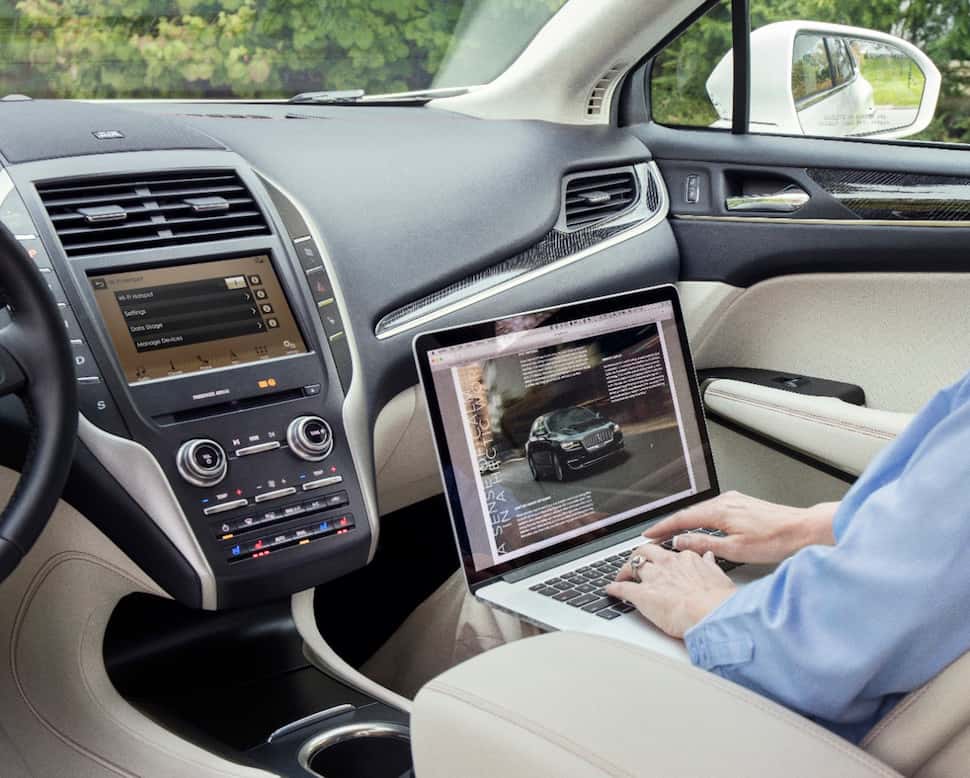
{"x": 569, "y": 704}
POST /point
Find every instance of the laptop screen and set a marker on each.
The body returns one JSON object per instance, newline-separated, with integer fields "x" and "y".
{"x": 564, "y": 424}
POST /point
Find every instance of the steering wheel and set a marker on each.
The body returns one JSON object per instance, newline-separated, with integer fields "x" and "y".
{"x": 37, "y": 365}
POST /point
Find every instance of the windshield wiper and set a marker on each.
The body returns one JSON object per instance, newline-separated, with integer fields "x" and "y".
{"x": 333, "y": 96}
{"x": 360, "y": 97}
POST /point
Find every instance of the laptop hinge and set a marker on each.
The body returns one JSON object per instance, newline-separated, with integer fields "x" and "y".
{"x": 576, "y": 553}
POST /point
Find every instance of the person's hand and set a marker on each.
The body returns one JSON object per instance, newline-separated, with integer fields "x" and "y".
{"x": 757, "y": 531}
{"x": 676, "y": 590}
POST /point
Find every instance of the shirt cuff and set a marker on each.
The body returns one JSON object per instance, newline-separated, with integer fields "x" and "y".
{"x": 719, "y": 639}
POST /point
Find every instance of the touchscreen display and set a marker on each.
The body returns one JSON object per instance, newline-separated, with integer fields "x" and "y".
{"x": 173, "y": 321}
{"x": 558, "y": 429}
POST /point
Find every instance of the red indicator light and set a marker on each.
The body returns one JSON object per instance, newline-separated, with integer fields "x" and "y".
{"x": 238, "y": 492}
{"x": 333, "y": 469}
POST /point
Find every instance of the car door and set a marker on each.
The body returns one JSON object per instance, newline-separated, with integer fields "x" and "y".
{"x": 819, "y": 330}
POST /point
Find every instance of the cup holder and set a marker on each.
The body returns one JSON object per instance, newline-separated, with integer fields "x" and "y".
{"x": 370, "y": 749}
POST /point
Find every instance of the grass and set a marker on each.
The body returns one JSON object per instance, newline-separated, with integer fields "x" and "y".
{"x": 896, "y": 81}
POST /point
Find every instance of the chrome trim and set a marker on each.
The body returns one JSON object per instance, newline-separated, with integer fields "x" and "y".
{"x": 231, "y": 505}
{"x": 785, "y": 201}
{"x": 530, "y": 275}
{"x": 190, "y": 470}
{"x": 286, "y": 491}
{"x": 140, "y": 475}
{"x": 313, "y": 718}
{"x": 302, "y": 446}
{"x": 349, "y": 732}
{"x": 320, "y": 483}
{"x": 354, "y": 413}
{"x": 835, "y": 222}
{"x": 258, "y": 448}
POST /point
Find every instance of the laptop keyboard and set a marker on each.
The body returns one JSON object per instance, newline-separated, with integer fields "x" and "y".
{"x": 585, "y": 587}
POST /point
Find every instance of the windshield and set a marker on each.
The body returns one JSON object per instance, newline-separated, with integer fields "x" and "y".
{"x": 564, "y": 420}
{"x": 258, "y": 49}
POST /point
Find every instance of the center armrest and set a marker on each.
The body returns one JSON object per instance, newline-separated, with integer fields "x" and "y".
{"x": 573, "y": 704}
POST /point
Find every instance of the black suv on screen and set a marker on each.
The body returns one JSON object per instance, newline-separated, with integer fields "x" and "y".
{"x": 569, "y": 440}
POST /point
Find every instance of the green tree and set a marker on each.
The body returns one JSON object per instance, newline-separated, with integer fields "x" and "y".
{"x": 241, "y": 48}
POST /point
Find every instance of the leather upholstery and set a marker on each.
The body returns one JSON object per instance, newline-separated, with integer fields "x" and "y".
{"x": 843, "y": 435}
{"x": 928, "y": 733}
{"x": 571, "y": 704}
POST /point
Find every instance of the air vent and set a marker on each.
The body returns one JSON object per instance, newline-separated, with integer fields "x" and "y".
{"x": 600, "y": 90}
{"x": 124, "y": 213}
{"x": 595, "y": 197}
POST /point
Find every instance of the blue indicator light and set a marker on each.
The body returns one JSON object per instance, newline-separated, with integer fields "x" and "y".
{"x": 236, "y": 551}
{"x": 302, "y": 476}
{"x": 324, "y": 525}
{"x": 205, "y": 500}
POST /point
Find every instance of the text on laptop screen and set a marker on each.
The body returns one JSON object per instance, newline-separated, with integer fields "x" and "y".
{"x": 558, "y": 430}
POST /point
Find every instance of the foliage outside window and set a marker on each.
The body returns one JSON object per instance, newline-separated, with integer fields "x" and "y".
{"x": 257, "y": 48}
{"x": 811, "y": 70}
{"x": 678, "y": 92}
{"x": 940, "y": 29}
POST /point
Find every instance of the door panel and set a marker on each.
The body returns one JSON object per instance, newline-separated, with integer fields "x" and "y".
{"x": 866, "y": 284}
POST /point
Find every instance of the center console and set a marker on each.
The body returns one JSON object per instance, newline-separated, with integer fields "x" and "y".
{"x": 213, "y": 366}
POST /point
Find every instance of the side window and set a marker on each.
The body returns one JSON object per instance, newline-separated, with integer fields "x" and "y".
{"x": 691, "y": 79}
{"x": 871, "y": 69}
{"x": 811, "y": 71}
{"x": 841, "y": 60}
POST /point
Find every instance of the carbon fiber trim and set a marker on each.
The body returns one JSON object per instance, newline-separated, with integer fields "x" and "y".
{"x": 872, "y": 194}
{"x": 557, "y": 247}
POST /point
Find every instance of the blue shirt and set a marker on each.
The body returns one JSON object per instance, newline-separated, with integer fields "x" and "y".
{"x": 840, "y": 633}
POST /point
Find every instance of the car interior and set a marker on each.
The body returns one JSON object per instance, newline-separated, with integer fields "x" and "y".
{"x": 208, "y": 534}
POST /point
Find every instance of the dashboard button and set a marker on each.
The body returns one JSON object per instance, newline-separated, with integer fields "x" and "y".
{"x": 336, "y": 500}
{"x": 331, "y": 321}
{"x": 309, "y": 255}
{"x": 259, "y": 448}
{"x": 222, "y": 507}
{"x": 310, "y": 438}
{"x": 322, "y": 482}
{"x": 319, "y": 284}
{"x": 275, "y": 494}
{"x": 202, "y": 462}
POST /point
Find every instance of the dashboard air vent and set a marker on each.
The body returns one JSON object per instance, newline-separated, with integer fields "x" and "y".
{"x": 597, "y": 95}
{"x": 123, "y": 213}
{"x": 594, "y": 197}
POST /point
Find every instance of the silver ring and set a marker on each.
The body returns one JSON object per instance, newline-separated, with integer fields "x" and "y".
{"x": 636, "y": 562}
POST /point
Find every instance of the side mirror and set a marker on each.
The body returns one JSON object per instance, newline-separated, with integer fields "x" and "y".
{"x": 810, "y": 78}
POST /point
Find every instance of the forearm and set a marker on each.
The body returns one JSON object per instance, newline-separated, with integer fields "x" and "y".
{"x": 814, "y": 527}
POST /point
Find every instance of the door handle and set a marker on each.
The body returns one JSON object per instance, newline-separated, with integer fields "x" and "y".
{"x": 787, "y": 200}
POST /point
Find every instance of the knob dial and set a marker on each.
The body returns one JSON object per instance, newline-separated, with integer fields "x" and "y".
{"x": 201, "y": 462}
{"x": 310, "y": 438}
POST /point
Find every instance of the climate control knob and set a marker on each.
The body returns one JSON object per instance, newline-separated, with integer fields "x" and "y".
{"x": 201, "y": 462}
{"x": 310, "y": 438}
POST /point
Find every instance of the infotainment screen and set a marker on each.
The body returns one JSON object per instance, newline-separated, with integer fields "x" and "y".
{"x": 172, "y": 321}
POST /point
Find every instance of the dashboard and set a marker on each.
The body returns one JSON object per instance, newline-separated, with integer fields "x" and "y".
{"x": 241, "y": 285}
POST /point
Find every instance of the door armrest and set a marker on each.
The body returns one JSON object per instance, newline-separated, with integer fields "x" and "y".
{"x": 571, "y": 704}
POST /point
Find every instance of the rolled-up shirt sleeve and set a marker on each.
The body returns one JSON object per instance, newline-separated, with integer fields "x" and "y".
{"x": 839, "y": 633}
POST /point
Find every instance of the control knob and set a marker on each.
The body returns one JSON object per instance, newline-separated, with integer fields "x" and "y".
{"x": 310, "y": 438}
{"x": 201, "y": 462}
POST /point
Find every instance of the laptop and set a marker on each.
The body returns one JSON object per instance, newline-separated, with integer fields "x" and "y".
{"x": 561, "y": 434}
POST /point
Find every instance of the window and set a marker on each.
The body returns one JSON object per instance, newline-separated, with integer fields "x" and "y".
{"x": 811, "y": 71}
{"x": 841, "y": 60}
{"x": 214, "y": 49}
{"x": 869, "y": 69}
{"x": 683, "y": 74}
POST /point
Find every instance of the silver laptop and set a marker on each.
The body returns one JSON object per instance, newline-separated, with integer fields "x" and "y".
{"x": 561, "y": 434}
